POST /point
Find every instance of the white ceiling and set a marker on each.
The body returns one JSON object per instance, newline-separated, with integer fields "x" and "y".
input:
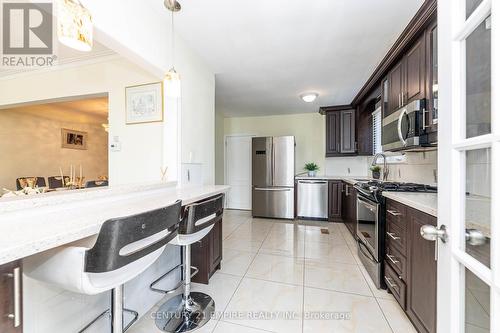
{"x": 265, "y": 53}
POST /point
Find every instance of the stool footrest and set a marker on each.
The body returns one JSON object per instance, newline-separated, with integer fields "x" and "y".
{"x": 108, "y": 312}
{"x": 169, "y": 291}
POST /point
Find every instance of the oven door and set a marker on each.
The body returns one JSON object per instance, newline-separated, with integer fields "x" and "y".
{"x": 367, "y": 223}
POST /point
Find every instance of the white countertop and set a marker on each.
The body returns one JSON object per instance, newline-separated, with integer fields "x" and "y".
{"x": 425, "y": 202}
{"x": 32, "y": 225}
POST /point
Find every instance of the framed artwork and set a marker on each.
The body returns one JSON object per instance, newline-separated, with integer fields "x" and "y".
{"x": 73, "y": 139}
{"x": 144, "y": 103}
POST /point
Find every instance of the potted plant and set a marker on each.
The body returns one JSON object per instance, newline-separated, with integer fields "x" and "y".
{"x": 375, "y": 171}
{"x": 311, "y": 169}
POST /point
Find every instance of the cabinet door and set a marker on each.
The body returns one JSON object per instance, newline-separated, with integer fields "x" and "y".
{"x": 335, "y": 200}
{"x": 332, "y": 133}
{"x": 395, "y": 78}
{"x": 415, "y": 72}
{"x": 10, "y": 299}
{"x": 422, "y": 273}
{"x": 215, "y": 247}
{"x": 348, "y": 131}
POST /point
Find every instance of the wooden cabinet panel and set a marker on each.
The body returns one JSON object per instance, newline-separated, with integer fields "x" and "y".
{"x": 348, "y": 131}
{"x": 396, "y": 79}
{"x": 335, "y": 200}
{"x": 396, "y": 285}
{"x": 332, "y": 133}
{"x": 206, "y": 255}
{"x": 349, "y": 207}
{"x": 415, "y": 72}
{"x": 422, "y": 274}
{"x": 7, "y": 300}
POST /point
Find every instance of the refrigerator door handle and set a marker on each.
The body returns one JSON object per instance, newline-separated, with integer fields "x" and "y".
{"x": 273, "y": 189}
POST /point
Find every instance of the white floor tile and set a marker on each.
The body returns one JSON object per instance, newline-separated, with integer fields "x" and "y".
{"x": 284, "y": 246}
{"x": 277, "y": 268}
{"x": 241, "y": 244}
{"x": 396, "y": 317}
{"x": 363, "y": 313}
{"x": 337, "y": 277}
{"x": 223, "y": 327}
{"x": 255, "y": 299}
{"x": 221, "y": 288}
{"x": 236, "y": 262}
{"x": 328, "y": 254}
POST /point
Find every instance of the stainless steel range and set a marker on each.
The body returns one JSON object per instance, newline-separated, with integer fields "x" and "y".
{"x": 371, "y": 222}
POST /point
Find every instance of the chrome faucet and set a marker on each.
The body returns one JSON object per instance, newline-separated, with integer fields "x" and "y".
{"x": 385, "y": 170}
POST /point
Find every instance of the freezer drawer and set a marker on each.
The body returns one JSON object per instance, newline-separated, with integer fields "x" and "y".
{"x": 312, "y": 199}
{"x": 275, "y": 202}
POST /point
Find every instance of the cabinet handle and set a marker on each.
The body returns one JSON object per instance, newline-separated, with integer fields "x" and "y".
{"x": 389, "y": 282}
{"x": 347, "y": 190}
{"x": 391, "y": 234}
{"x": 399, "y": 100}
{"x": 16, "y": 316}
{"x": 424, "y": 126}
{"x": 391, "y": 258}
{"x": 394, "y": 212}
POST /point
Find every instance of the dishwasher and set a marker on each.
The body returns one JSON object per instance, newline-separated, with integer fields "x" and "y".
{"x": 312, "y": 199}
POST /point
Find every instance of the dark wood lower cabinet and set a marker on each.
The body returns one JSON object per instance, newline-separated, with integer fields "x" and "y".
{"x": 335, "y": 200}
{"x": 349, "y": 207}
{"x": 206, "y": 255}
{"x": 410, "y": 266}
{"x": 8, "y": 301}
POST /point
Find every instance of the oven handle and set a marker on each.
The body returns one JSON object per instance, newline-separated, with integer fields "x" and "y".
{"x": 368, "y": 204}
{"x": 369, "y": 255}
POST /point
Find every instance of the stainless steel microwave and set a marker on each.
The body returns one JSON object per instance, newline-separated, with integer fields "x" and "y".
{"x": 401, "y": 129}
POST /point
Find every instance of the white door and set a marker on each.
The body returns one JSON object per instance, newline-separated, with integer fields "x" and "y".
{"x": 469, "y": 166}
{"x": 239, "y": 171}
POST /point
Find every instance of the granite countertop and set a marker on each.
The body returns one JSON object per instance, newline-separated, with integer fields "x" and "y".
{"x": 30, "y": 226}
{"x": 425, "y": 202}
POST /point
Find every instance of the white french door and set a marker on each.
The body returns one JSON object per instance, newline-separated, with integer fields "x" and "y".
{"x": 469, "y": 166}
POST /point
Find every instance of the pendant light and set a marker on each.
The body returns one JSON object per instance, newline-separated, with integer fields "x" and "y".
{"x": 172, "y": 79}
{"x": 74, "y": 25}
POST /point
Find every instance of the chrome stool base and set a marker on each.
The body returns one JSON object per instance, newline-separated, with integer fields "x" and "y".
{"x": 178, "y": 316}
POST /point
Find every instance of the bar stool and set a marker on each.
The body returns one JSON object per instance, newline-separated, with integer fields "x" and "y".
{"x": 191, "y": 310}
{"x": 123, "y": 249}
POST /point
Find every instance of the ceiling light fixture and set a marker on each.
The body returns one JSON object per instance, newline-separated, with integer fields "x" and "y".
{"x": 172, "y": 79}
{"x": 74, "y": 25}
{"x": 309, "y": 97}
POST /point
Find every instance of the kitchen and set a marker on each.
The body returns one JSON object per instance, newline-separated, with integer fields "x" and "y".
{"x": 266, "y": 174}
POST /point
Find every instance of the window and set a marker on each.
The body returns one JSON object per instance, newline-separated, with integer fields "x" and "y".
{"x": 377, "y": 130}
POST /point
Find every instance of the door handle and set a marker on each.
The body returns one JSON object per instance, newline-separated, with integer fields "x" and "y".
{"x": 432, "y": 233}
{"x": 16, "y": 316}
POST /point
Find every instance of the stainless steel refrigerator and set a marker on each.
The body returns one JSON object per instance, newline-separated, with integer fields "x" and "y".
{"x": 273, "y": 176}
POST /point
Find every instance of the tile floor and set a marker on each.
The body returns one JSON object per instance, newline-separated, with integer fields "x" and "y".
{"x": 280, "y": 276}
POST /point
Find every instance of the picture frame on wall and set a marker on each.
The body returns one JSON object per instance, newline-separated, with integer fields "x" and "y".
{"x": 72, "y": 139}
{"x": 144, "y": 103}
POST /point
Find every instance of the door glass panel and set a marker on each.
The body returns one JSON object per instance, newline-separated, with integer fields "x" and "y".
{"x": 478, "y": 203}
{"x": 478, "y": 87}
{"x": 470, "y": 6}
{"x": 477, "y": 304}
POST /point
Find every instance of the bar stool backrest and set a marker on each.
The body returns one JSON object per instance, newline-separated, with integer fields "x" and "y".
{"x": 199, "y": 216}
{"x": 124, "y": 240}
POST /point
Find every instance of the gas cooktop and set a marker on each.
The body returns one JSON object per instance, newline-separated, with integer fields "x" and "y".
{"x": 373, "y": 189}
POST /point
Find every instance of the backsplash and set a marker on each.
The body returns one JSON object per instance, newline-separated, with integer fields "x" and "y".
{"x": 418, "y": 167}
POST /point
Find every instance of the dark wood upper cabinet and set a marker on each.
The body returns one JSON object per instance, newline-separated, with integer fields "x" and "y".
{"x": 10, "y": 299}
{"x": 422, "y": 274}
{"x": 332, "y": 133}
{"x": 415, "y": 72}
{"x": 341, "y": 132}
{"x": 335, "y": 200}
{"x": 431, "y": 117}
{"x": 396, "y": 88}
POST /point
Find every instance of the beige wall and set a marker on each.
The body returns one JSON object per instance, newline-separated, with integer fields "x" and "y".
{"x": 308, "y": 129}
{"x": 30, "y": 144}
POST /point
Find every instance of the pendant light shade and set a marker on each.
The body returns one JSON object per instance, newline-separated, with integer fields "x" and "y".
{"x": 172, "y": 83}
{"x": 74, "y": 25}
